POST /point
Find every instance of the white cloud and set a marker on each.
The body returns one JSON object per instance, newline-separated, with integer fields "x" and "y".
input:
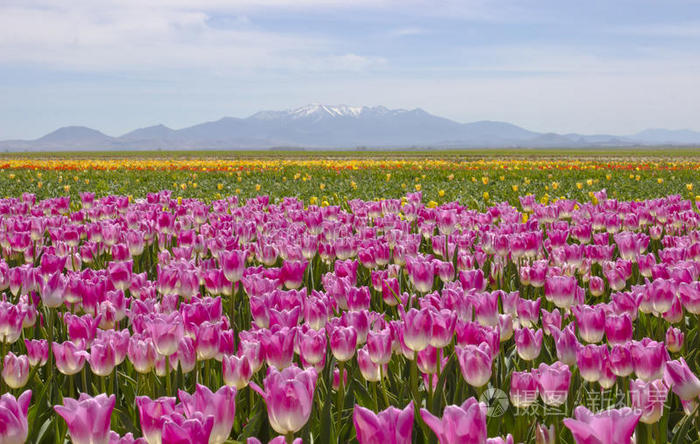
{"x": 131, "y": 35}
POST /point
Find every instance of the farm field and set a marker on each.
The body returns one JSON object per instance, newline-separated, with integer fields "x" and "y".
{"x": 335, "y": 177}
{"x": 485, "y": 297}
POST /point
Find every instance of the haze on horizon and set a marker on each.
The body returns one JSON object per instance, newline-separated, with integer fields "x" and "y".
{"x": 560, "y": 66}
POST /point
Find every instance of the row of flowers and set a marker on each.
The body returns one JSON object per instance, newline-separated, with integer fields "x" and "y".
{"x": 387, "y": 321}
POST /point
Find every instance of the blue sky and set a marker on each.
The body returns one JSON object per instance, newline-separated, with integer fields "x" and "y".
{"x": 565, "y": 66}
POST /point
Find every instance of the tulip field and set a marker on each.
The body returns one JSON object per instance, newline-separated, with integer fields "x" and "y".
{"x": 413, "y": 297}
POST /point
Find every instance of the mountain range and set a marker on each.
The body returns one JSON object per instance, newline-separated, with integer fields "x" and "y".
{"x": 322, "y": 126}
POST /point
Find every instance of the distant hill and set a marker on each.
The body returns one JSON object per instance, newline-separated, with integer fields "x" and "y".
{"x": 326, "y": 126}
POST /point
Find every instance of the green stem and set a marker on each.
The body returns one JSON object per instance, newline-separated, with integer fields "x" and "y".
{"x": 383, "y": 386}
{"x": 83, "y": 377}
{"x": 3, "y": 351}
{"x": 233, "y": 304}
{"x": 374, "y": 396}
{"x": 341, "y": 389}
{"x": 167, "y": 376}
{"x": 414, "y": 382}
{"x": 207, "y": 373}
{"x": 49, "y": 322}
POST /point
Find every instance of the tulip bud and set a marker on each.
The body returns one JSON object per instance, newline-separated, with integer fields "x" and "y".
{"x": 15, "y": 370}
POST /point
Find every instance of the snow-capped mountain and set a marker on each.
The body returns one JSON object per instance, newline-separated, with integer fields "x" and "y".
{"x": 338, "y": 126}
{"x": 318, "y": 112}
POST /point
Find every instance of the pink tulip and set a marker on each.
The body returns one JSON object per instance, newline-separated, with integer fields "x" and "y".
{"x": 681, "y": 379}
{"x": 545, "y": 435}
{"x": 537, "y": 275}
{"x": 661, "y": 293}
{"x": 233, "y": 264}
{"x": 15, "y": 370}
{"x": 343, "y": 341}
{"x": 335, "y": 384}
{"x": 426, "y": 360}
{"x": 11, "y": 319}
{"x": 135, "y": 242}
{"x": 236, "y": 371}
{"x": 13, "y": 417}
{"x": 370, "y": 371}
{"x": 421, "y": 273}
{"x": 254, "y": 351}
{"x": 649, "y": 398}
{"x": 561, "y": 290}
{"x": 292, "y": 273}
{"x": 120, "y": 274}
{"x": 186, "y": 355}
{"x": 390, "y": 290}
{"x": 528, "y": 343}
{"x": 523, "y": 389}
{"x": 278, "y": 346}
{"x": 509, "y": 302}
{"x": 553, "y": 383}
{"x": 445, "y": 271}
{"x": 289, "y": 397}
{"x": 475, "y": 363}
{"x": 82, "y": 327}
{"x": 260, "y": 311}
{"x": 596, "y": 285}
{"x": 88, "y": 418}
{"x": 193, "y": 430}
{"x": 312, "y": 346}
{"x": 220, "y": 405}
{"x": 37, "y": 351}
{"x": 566, "y": 344}
{"x": 550, "y": 320}
{"x": 53, "y": 290}
{"x": 114, "y": 438}
{"x": 459, "y": 424}
{"x": 528, "y": 312}
{"x": 607, "y": 376}
{"x": 69, "y": 357}
{"x": 358, "y": 298}
{"x": 51, "y": 264}
{"x": 166, "y": 332}
{"x": 152, "y": 415}
{"x": 142, "y": 354}
{"x": 674, "y": 339}
{"x": 607, "y": 427}
{"x": 620, "y": 360}
{"x": 472, "y": 279}
{"x": 649, "y": 359}
{"x": 485, "y": 308}
{"x": 590, "y": 360}
{"x": 208, "y": 339}
{"x": 379, "y": 346}
{"x": 618, "y": 329}
{"x": 443, "y": 328}
{"x": 102, "y": 358}
{"x": 690, "y": 296}
{"x": 390, "y": 426}
{"x": 590, "y": 322}
{"x": 505, "y": 327}
{"x": 417, "y": 328}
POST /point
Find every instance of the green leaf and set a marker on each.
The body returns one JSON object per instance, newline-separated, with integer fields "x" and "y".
{"x": 254, "y": 426}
